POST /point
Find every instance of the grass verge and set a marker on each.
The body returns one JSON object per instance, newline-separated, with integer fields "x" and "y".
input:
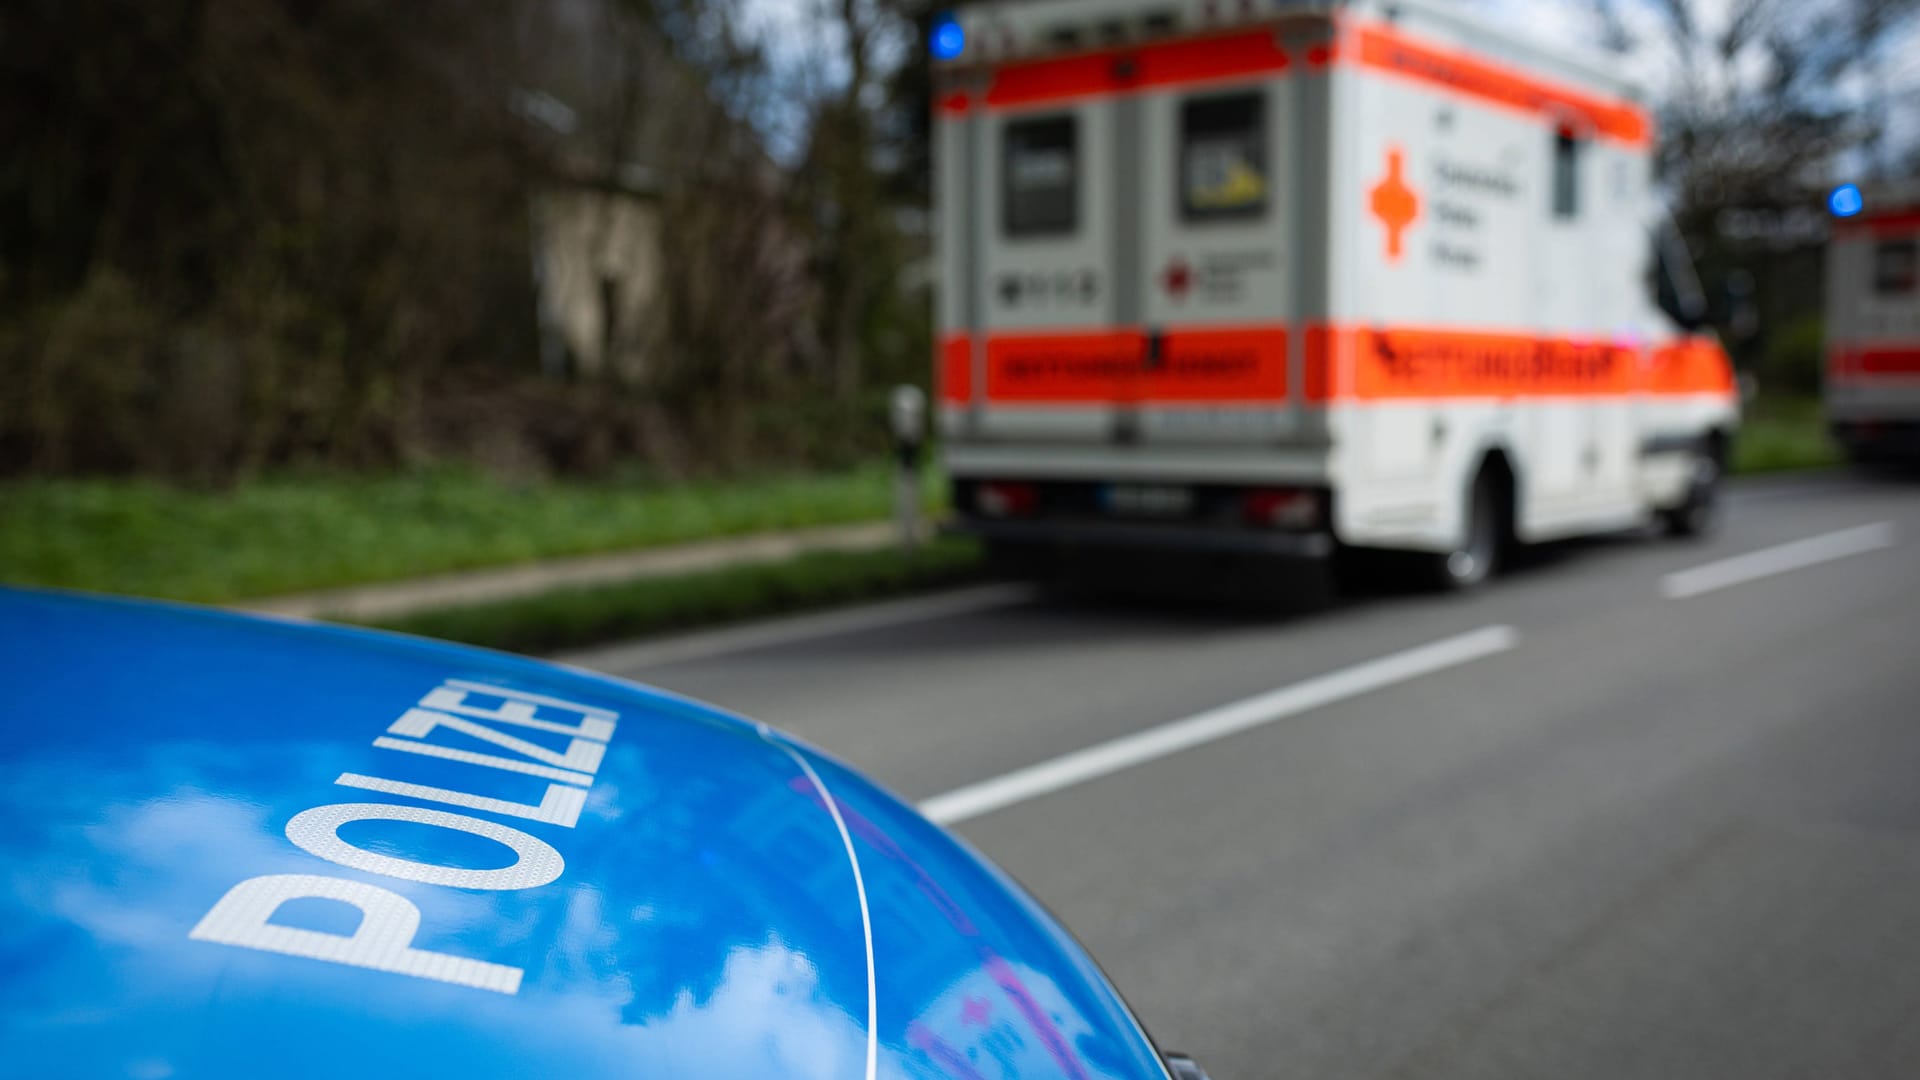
{"x": 292, "y": 533}
{"x": 572, "y": 618}
{"x": 1779, "y": 434}
{"x": 297, "y": 532}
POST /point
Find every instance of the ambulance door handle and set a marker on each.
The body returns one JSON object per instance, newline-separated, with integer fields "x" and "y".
{"x": 1156, "y": 348}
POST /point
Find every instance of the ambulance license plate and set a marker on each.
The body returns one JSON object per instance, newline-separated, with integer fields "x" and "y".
{"x": 1147, "y": 500}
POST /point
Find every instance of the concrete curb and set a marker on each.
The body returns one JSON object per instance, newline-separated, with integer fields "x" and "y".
{"x": 527, "y": 579}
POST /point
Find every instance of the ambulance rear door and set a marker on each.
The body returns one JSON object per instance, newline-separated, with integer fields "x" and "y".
{"x": 1209, "y": 258}
{"x": 1045, "y": 189}
{"x": 1132, "y": 281}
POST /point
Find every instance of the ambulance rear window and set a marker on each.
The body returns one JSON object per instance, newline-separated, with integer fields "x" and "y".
{"x": 1041, "y": 177}
{"x": 1896, "y": 267}
{"x": 1223, "y": 157}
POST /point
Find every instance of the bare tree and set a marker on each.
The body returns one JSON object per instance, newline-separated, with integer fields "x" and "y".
{"x": 1763, "y": 97}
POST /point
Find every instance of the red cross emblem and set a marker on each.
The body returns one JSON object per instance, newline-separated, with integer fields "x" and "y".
{"x": 1394, "y": 203}
{"x": 1177, "y": 278}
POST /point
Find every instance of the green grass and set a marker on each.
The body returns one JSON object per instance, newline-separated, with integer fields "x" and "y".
{"x": 571, "y": 618}
{"x": 293, "y": 533}
{"x": 1779, "y": 434}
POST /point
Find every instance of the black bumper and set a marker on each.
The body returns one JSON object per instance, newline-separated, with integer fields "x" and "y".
{"x": 1145, "y": 535}
{"x": 1879, "y": 440}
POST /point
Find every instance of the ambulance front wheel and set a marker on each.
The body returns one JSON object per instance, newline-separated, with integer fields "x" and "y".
{"x": 1474, "y": 559}
{"x": 1699, "y": 513}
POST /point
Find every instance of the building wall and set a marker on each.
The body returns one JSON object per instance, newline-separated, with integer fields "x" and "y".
{"x": 597, "y": 266}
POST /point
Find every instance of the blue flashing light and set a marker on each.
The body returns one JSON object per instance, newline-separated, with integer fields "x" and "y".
{"x": 1846, "y": 200}
{"x": 947, "y": 40}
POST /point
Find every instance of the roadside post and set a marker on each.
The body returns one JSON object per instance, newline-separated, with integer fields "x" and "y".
{"x": 907, "y": 410}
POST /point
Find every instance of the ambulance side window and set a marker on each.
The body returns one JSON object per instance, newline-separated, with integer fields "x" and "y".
{"x": 1040, "y": 177}
{"x": 1676, "y": 288}
{"x": 1223, "y": 157}
{"x": 1566, "y": 176}
{"x": 1896, "y": 267}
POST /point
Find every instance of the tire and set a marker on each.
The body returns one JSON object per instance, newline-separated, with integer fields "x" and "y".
{"x": 1699, "y": 513}
{"x": 1477, "y": 556}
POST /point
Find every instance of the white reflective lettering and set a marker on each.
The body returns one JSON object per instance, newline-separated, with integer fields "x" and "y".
{"x": 317, "y": 831}
{"x": 428, "y": 749}
{"x": 561, "y": 805}
{"x": 517, "y": 707}
{"x": 382, "y": 942}
{"x": 582, "y": 755}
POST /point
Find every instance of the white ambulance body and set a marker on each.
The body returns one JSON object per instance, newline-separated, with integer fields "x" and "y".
{"x": 1873, "y": 324}
{"x": 1280, "y": 275}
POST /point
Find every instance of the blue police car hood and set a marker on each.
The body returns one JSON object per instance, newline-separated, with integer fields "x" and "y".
{"x": 243, "y": 848}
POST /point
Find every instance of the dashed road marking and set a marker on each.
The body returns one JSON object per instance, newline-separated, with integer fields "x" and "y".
{"x": 1141, "y": 747}
{"x": 1768, "y": 562}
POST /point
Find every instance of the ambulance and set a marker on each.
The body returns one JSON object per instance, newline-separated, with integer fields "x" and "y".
{"x": 1291, "y": 277}
{"x": 1873, "y": 322}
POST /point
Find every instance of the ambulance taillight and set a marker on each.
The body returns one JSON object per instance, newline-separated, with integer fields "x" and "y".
{"x": 1281, "y": 508}
{"x": 1006, "y": 499}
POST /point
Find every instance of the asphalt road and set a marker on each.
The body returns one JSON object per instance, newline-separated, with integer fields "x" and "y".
{"x": 1635, "y": 822}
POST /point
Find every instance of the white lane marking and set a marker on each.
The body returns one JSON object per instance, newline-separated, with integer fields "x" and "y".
{"x": 859, "y": 886}
{"x": 786, "y": 631}
{"x": 1767, "y": 562}
{"x": 1837, "y": 483}
{"x": 1177, "y": 735}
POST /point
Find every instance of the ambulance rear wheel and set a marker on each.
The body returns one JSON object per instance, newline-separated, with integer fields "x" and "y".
{"x": 1700, "y": 511}
{"x": 1473, "y": 561}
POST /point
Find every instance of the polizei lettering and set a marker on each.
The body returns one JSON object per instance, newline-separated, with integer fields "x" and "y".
{"x": 383, "y": 940}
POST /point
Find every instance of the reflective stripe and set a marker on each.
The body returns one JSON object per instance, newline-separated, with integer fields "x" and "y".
{"x": 1114, "y": 71}
{"x": 1886, "y": 224}
{"x": 1247, "y": 365}
{"x": 1242, "y": 54}
{"x": 1887, "y": 361}
{"x": 1372, "y": 363}
{"x": 1390, "y": 51}
{"x": 956, "y": 369}
{"x": 1878, "y": 358}
{"x": 1222, "y": 364}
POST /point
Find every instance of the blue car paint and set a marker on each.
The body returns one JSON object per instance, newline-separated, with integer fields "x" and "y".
{"x": 707, "y": 920}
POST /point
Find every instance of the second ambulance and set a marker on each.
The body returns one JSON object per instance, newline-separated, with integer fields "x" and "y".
{"x": 1873, "y": 322}
{"x": 1285, "y": 277}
